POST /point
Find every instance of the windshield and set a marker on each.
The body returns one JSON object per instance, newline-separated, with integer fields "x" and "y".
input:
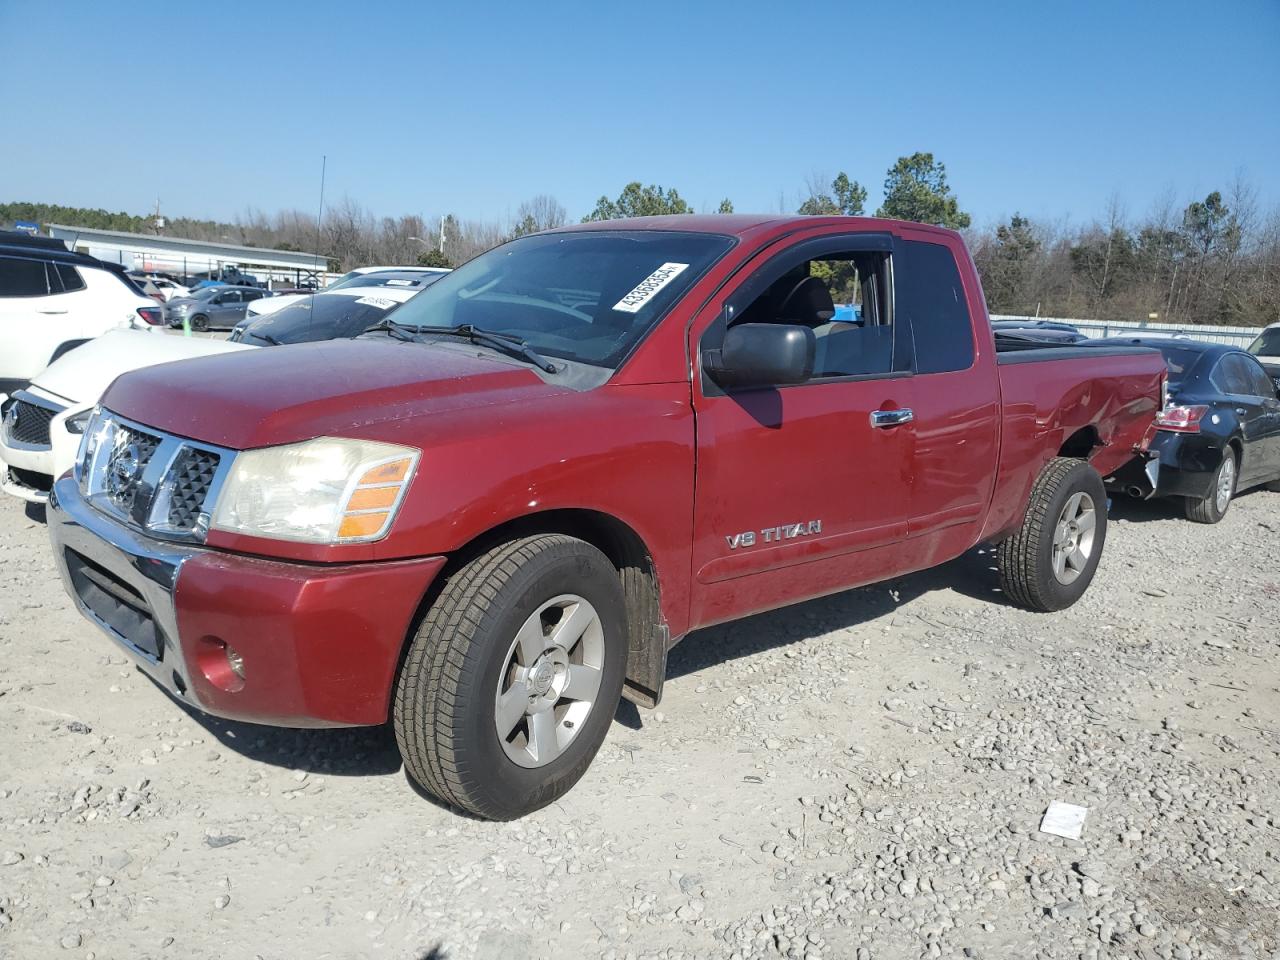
{"x": 1179, "y": 361}
{"x": 588, "y": 296}
{"x": 323, "y": 317}
{"x": 204, "y": 293}
{"x": 391, "y": 278}
{"x": 1267, "y": 344}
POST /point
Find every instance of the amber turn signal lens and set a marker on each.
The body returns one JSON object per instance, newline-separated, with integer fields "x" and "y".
{"x": 393, "y": 472}
{"x": 372, "y": 498}
{"x": 362, "y": 524}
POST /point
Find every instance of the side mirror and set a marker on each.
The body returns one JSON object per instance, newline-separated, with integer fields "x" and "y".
{"x": 762, "y": 355}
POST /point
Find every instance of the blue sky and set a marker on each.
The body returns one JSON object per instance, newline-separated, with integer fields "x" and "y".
{"x": 1047, "y": 109}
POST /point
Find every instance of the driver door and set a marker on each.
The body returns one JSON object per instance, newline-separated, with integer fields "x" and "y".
{"x": 803, "y": 490}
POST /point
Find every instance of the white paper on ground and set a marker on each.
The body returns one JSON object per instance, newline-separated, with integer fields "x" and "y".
{"x": 1064, "y": 820}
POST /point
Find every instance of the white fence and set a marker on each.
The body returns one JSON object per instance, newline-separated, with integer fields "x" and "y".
{"x": 1232, "y": 336}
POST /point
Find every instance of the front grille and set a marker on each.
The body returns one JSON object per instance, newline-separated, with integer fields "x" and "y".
{"x": 28, "y": 423}
{"x": 127, "y": 463}
{"x": 191, "y": 478}
{"x": 163, "y": 484}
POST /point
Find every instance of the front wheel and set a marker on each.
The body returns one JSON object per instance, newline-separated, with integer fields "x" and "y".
{"x": 200, "y": 323}
{"x": 1213, "y": 508}
{"x": 1049, "y": 563}
{"x": 512, "y": 680}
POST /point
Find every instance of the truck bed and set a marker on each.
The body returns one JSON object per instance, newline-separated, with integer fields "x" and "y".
{"x": 1010, "y": 350}
{"x": 1091, "y": 402}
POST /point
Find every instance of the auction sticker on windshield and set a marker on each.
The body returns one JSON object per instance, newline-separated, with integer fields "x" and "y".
{"x": 383, "y": 303}
{"x": 650, "y": 287}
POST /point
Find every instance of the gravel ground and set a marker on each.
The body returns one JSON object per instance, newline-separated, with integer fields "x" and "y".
{"x": 857, "y": 777}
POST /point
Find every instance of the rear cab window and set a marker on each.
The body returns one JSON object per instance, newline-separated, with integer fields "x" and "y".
{"x": 930, "y": 299}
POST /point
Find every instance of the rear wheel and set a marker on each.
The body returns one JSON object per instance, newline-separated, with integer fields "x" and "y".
{"x": 200, "y": 322}
{"x": 1214, "y": 507}
{"x": 1049, "y": 563}
{"x": 514, "y": 676}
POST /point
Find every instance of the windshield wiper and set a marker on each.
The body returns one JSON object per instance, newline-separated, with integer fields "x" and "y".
{"x": 512, "y": 346}
{"x": 267, "y": 337}
{"x": 508, "y": 344}
{"x": 397, "y": 330}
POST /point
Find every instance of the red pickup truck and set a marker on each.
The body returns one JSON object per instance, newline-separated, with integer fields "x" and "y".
{"x": 492, "y": 515}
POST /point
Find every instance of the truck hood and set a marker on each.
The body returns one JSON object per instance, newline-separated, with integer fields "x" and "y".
{"x": 264, "y": 397}
{"x": 81, "y": 375}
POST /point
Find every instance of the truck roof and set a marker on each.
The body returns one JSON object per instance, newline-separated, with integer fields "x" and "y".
{"x": 746, "y": 224}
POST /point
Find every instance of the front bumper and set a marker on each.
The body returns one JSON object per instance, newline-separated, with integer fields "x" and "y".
{"x": 319, "y": 644}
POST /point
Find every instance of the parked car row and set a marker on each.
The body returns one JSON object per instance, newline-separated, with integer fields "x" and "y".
{"x": 218, "y": 307}
{"x": 409, "y": 278}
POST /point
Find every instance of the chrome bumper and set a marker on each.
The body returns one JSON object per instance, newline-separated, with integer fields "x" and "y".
{"x": 121, "y": 581}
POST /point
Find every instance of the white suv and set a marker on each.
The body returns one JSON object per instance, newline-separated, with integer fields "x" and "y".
{"x": 52, "y": 300}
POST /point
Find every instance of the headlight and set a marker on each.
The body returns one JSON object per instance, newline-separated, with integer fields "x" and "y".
{"x": 77, "y": 423}
{"x": 328, "y": 490}
{"x": 90, "y": 443}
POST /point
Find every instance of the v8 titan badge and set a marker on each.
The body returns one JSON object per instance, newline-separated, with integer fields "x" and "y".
{"x": 787, "y": 531}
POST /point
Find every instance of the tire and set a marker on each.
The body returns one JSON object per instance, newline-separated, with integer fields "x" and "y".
{"x": 1050, "y": 562}
{"x": 1214, "y": 507}
{"x": 446, "y": 711}
{"x": 200, "y": 323}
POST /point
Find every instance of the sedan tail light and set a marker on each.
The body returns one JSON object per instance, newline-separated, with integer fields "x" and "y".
{"x": 1181, "y": 418}
{"x": 152, "y": 315}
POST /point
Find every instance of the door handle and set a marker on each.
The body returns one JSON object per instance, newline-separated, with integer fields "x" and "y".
{"x": 891, "y": 418}
{"x": 51, "y": 311}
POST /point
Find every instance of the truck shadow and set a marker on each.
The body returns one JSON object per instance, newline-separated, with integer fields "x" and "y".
{"x": 1129, "y": 510}
{"x": 972, "y": 574}
{"x": 1162, "y": 508}
{"x": 341, "y": 752}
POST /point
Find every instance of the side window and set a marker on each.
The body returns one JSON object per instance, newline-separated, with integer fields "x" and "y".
{"x": 1265, "y": 385}
{"x": 929, "y": 297}
{"x": 1260, "y": 384}
{"x": 22, "y": 278}
{"x": 843, "y": 297}
{"x": 251, "y": 295}
{"x": 1232, "y": 376}
{"x": 70, "y": 277}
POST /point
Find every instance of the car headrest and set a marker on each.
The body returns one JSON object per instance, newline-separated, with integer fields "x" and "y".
{"x": 808, "y": 303}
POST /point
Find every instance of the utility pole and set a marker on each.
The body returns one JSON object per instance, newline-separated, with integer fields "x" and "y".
{"x": 442, "y": 219}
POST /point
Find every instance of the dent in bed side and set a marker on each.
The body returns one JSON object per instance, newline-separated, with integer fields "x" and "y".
{"x": 1045, "y": 404}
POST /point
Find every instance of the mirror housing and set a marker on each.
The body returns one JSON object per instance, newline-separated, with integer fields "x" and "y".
{"x": 762, "y": 355}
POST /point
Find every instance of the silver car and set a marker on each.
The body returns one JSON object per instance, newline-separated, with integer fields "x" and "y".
{"x": 212, "y": 308}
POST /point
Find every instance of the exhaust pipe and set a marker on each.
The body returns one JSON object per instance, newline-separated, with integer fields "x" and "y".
{"x": 1137, "y": 492}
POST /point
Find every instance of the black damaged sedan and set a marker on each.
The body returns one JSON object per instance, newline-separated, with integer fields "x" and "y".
{"x": 1219, "y": 432}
